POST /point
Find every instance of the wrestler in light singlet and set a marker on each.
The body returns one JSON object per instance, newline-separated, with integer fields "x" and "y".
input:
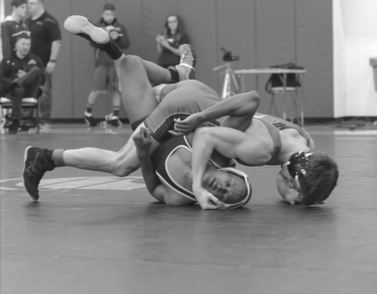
{"x": 276, "y": 124}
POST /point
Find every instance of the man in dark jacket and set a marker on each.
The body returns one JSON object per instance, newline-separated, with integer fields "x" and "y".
{"x": 21, "y": 75}
{"x": 105, "y": 77}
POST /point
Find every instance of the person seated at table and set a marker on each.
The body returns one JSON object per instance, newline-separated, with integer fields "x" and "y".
{"x": 21, "y": 75}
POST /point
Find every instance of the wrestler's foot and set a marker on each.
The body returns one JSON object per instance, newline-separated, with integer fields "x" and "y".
{"x": 36, "y": 164}
{"x": 185, "y": 68}
{"x": 90, "y": 121}
{"x": 12, "y": 125}
{"x": 80, "y": 25}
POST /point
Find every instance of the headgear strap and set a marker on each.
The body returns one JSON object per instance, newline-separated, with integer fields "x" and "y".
{"x": 243, "y": 175}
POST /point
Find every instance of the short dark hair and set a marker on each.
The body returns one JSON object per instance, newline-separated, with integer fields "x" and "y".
{"x": 109, "y": 6}
{"x": 320, "y": 179}
{"x": 17, "y": 3}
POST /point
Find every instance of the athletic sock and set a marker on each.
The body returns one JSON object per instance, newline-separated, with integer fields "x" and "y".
{"x": 174, "y": 77}
{"x": 115, "y": 111}
{"x": 89, "y": 108}
{"x": 111, "y": 49}
{"x": 57, "y": 157}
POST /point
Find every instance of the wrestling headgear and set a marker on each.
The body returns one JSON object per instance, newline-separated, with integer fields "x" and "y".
{"x": 243, "y": 175}
{"x": 296, "y": 163}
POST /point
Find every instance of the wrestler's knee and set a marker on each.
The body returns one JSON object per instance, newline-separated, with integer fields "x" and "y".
{"x": 121, "y": 168}
{"x": 130, "y": 60}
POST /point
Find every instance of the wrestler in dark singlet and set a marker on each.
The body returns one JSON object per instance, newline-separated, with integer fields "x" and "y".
{"x": 171, "y": 161}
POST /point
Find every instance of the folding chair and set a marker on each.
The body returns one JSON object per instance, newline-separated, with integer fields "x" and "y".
{"x": 293, "y": 92}
{"x": 27, "y": 103}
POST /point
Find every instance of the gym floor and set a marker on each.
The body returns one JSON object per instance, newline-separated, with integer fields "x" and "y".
{"x": 96, "y": 233}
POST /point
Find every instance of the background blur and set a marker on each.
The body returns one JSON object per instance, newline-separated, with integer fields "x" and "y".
{"x": 332, "y": 40}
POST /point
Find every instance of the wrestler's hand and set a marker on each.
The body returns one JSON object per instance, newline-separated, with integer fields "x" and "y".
{"x": 206, "y": 200}
{"x": 183, "y": 127}
{"x": 143, "y": 142}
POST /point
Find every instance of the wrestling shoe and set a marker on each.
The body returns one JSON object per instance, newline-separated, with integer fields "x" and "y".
{"x": 80, "y": 25}
{"x": 45, "y": 127}
{"x": 36, "y": 164}
{"x": 112, "y": 120}
{"x": 12, "y": 126}
{"x": 185, "y": 68}
{"x": 89, "y": 120}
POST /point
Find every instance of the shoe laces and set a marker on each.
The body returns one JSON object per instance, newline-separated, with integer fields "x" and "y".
{"x": 34, "y": 170}
{"x": 37, "y": 168}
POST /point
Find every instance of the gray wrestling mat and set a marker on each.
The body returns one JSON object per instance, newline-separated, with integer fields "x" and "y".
{"x": 95, "y": 233}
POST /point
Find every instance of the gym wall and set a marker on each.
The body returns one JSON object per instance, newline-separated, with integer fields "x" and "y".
{"x": 262, "y": 32}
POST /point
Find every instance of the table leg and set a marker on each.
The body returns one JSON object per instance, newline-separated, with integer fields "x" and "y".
{"x": 284, "y": 95}
{"x": 302, "y": 101}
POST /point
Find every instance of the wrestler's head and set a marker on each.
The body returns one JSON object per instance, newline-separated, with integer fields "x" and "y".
{"x": 229, "y": 185}
{"x": 312, "y": 174}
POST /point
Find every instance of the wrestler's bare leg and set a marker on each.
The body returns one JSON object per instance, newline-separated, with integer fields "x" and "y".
{"x": 136, "y": 76}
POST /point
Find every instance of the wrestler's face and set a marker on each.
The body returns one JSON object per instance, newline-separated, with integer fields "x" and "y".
{"x": 227, "y": 187}
{"x": 108, "y": 16}
{"x": 21, "y": 10}
{"x": 288, "y": 187}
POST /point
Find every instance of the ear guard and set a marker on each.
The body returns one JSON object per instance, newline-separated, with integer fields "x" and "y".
{"x": 243, "y": 175}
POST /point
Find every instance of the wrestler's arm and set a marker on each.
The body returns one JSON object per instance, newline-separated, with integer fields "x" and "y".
{"x": 228, "y": 142}
{"x": 239, "y": 107}
{"x": 143, "y": 141}
{"x": 152, "y": 182}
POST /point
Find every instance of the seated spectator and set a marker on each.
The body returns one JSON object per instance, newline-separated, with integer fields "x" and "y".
{"x": 21, "y": 74}
{"x": 169, "y": 41}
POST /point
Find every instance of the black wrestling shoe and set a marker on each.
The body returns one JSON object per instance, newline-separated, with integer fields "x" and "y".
{"x": 12, "y": 126}
{"x": 80, "y": 25}
{"x": 88, "y": 117}
{"x": 36, "y": 164}
{"x": 185, "y": 68}
{"x": 112, "y": 120}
